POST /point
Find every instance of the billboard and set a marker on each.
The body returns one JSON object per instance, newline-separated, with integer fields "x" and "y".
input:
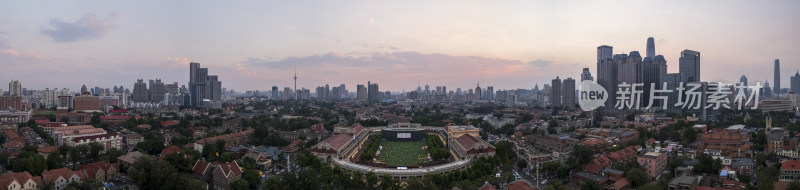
{"x": 403, "y": 135}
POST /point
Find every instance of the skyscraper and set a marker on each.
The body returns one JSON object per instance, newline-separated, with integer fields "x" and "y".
{"x": 361, "y": 93}
{"x": 673, "y": 80}
{"x": 140, "y": 91}
{"x": 743, "y": 79}
{"x": 586, "y": 75}
{"x": 777, "y": 80}
{"x": 14, "y": 88}
{"x": 489, "y": 92}
{"x": 607, "y": 72}
{"x": 156, "y": 91}
{"x": 628, "y": 67}
{"x": 204, "y": 90}
{"x": 372, "y": 91}
{"x": 651, "y": 47}
{"x": 689, "y": 66}
{"x": 555, "y": 93}
{"x": 653, "y": 74}
{"x": 795, "y": 83}
{"x": 275, "y": 93}
{"x": 478, "y": 92}
{"x": 568, "y": 93}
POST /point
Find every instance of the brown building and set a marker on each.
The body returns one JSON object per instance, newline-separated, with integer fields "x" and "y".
{"x": 219, "y": 175}
{"x": 100, "y": 171}
{"x": 86, "y": 103}
{"x": 726, "y": 140}
{"x": 21, "y": 180}
{"x": 557, "y": 143}
{"x": 13, "y": 102}
{"x": 230, "y": 139}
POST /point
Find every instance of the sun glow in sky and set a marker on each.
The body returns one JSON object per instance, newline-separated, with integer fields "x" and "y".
{"x": 505, "y": 44}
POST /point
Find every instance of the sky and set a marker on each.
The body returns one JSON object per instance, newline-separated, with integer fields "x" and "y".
{"x": 254, "y": 45}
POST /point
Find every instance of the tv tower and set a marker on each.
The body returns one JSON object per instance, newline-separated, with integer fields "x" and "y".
{"x": 295, "y": 83}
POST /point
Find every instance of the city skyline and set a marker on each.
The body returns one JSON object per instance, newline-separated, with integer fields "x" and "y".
{"x": 507, "y": 46}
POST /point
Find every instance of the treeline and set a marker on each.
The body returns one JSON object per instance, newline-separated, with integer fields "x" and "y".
{"x": 371, "y": 147}
{"x": 436, "y": 148}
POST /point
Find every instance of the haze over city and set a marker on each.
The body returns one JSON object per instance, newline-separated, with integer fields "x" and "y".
{"x": 256, "y": 45}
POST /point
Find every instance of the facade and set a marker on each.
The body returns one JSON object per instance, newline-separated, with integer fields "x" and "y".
{"x": 12, "y": 102}
{"x": 690, "y": 66}
{"x": 653, "y": 163}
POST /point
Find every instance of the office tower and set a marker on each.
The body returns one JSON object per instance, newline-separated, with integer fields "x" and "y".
{"x": 478, "y": 92}
{"x": 490, "y": 92}
{"x": 586, "y": 75}
{"x": 743, "y": 79}
{"x": 628, "y": 67}
{"x": 606, "y": 73}
{"x": 275, "y": 93}
{"x": 156, "y": 91}
{"x": 84, "y": 90}
{"x": 14, "y": 88}
{"x": 320, "y": 93}
{"x": 767, "y": 91}
{"x": 342, "y": 91}
{"x": 197, "y": 83}
{"x": 373, "y": 92}
{"x": 653, "y": 73}
{"x": 140, "y": 91}
{"x": 361, "y": 93}
{"x": 287, "y": 93}
{"x": 673, "y": 80}
{"x": 689, "y": 66}
{"x": 651, "y": 47}
{"x": 555, "y": 93}
{"x": 795, "y": 83}
{"x": 213, "y": 89}
{"x": 777, "y": 80}
{"x": 568, "y": 93}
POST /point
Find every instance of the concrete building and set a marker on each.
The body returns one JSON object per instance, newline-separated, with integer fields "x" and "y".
{"x": 607, "y": 72}
{"x": 14, "y": 88}
{"x": 109, "y": 141}
{"x": 555, "y": 93}
{"x": 156, "y": 91}
{"x": 86, "y": 103}
{"x": 140, "y": 92}
{"x": 653, "y": 163}
{"x": 568, "y": 93}
{"x": 790, "y": 171}
{"x": 777, "y": 79}
{"x": 654, "y": 72}
{"x": 586, "y": 75}
{"x": 794, "y": 83}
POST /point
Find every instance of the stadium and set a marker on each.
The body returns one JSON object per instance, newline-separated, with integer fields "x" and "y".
{"x": 403, "y": 150}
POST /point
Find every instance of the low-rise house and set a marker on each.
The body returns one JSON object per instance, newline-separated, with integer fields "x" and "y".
{"x": 20, "y": 181}
{"x": 790, "y": 171}
{"x": 219, "y": 175}
{"x": 61, "y": 177}
{"x": 100, "y": 171}
{"x": 128, "y": 159}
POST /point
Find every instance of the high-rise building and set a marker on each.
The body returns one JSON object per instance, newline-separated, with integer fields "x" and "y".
{"x": 204, "y": 90}
{"x": 555, "y": 93}
{"x": 651, "y": 47}
{"x": 586, "y": 75}
{"x": 689, "y": 66}
{"x": 568, "y": 93}
{"x": 156, "y": 91}
{"x": 795, "y": 83}
{"x": 275, "y": 93}
{"x": 628, "y": 67}
{"x": 489, "y": 92}
{"x": 84, "y": 90}
{"x": 372, "y": 91}
{"x": 478, "y": 92}
{"x": 171, "y": 88}
{"x": 766, "y": 91}
{"x": 14, "y": 88}
{"x": 140, "y": 92}
{"x": 673, "y": 80}
{"x": 606, "y": 72}
{"x": 361, "y": 93}
{"x": 743, "y": 80}
{"x": 653, "y": 73}
{"x": 777, "y": 80}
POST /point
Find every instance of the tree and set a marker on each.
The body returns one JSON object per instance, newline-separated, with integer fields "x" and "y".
{"x": 415, "y": 184}
{"x": 637, "y": 177}
{"x": 227, "y": 157}
{"x": 583, "y": 154}
{"x": 54, "y": 161}
{"x": 554, "y": 185}
{"x": 590, "y": 185}
{"x": 252, "y": 178}
{"x": 522, "y": 164}
{"x": 240, "y": 184}
{"x": 33, "y": 164}
{"x": 387, "y": 182}
{"x": 372, "y": 179}
{"x": 794, "y": 185}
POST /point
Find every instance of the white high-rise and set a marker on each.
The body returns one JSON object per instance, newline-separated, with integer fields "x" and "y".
{"x": 14, "y": 88}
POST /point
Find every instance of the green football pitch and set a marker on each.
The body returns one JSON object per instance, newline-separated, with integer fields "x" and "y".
{"x": 403, "y": 153}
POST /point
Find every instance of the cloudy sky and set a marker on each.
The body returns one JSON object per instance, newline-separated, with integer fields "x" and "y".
{"x": 398, "y": 44}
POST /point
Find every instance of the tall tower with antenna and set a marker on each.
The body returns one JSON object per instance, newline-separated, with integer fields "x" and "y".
{"x": 295, "y": 83}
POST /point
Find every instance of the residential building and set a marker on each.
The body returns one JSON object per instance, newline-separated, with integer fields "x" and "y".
{"x": 61, "y": 177}
{"x": 690, "y": 66}
{"x": 653, "y": 163}
{"x": 100, "y": 171}
{"x": 216, "y": 174}
{"x": 790, "y": 171}
{"x": 20, "y": 181}
{"x": 109, "y": 141}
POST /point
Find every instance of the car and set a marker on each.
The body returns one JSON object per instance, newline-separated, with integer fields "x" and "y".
{"x": 544, "y": 182}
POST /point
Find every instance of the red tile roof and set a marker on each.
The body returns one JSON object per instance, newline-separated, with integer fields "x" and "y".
{"x": 621, "y": 183}
{"x": 231, "y": 168}
{"x": 168, "y": 123}
{"x": 92, "y": 168}
{"x": 47, "y": 149}
{"x": 200, "y": 167}
{"x": 50, "y": 175}
{"x": 467, "y": 141}
{"x": 20, "y": 177}
{"x": 338, "y": 141}
{"x": 791, "y": 165}
{"x": 357, "y": 128}
{"x": 519, "y": 184}
{"x": 592, "y": 141}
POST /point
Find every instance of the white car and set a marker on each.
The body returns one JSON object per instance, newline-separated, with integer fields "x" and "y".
{"x": 544, "y": 182}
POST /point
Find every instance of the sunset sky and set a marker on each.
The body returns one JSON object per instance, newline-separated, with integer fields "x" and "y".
{"x": 398, "y": 44}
